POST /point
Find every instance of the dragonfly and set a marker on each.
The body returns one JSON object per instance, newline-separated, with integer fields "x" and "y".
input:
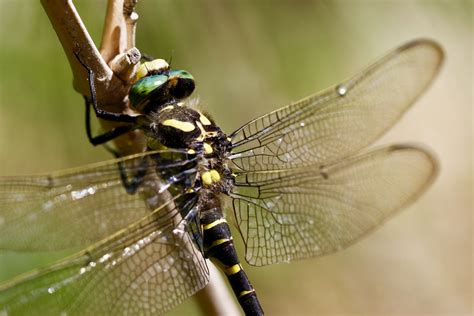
{"x": 299, "y": 181}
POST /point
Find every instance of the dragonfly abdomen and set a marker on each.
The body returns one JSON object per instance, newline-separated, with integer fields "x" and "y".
{"x": 219, "y": 247}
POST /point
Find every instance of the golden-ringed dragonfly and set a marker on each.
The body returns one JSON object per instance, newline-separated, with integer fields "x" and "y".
{"x": 299, "y": 183}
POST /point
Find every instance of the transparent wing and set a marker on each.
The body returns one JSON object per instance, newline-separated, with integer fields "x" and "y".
{"x": 146, "y": 269}
{"x": 341, "y": 120}
{"x": 304, "y": 212}
{"x": 78, "y": 207}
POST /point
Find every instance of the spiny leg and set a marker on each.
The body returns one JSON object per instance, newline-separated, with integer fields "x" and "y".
{"x": 105, "y": 115}
{"x": 107, "y": 136}
{"x": 130, "y": 185}
{"x": 134, "y": 183}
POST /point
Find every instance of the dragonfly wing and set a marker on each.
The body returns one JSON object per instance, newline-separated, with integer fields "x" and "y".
{"x": 304, "y": 212}
{"x": 78, "y": 207}
{"x": 342, "y": 120}
{"x": 146, "y": 269}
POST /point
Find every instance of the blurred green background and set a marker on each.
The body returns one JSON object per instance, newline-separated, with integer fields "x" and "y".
{"x": 252, "y": 57}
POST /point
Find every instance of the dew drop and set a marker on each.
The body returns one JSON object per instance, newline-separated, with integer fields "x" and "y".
{"x": 134, "y": 16}
{"x": 341, "y": 90}
{"x": 178, "y": 232}
{"x": 127, "y": 251}
{"x": 105, "y": 257}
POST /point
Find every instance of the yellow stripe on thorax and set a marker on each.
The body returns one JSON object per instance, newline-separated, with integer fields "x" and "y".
{"x": 204, "y": 120}
{"x": 182, "y": 126}
{"x": 203, "y": 132}
{"x": 166, "y": 108}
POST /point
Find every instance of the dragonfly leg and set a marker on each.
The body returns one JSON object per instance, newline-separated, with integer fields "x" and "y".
{"x": 134, "y": 183}
{"x": 100, "y": 113}
{"x": 107, "y": 136}
{"x": 106, "y": 115}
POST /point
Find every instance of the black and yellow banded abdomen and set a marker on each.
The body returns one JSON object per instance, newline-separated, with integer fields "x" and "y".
{"x": 219, "y": 247}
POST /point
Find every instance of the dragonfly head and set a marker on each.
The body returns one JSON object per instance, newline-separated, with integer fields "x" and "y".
{"x": 155, "y": 85}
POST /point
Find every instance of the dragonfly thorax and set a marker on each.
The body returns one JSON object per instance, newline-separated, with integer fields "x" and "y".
{"x": 178, "y": 126}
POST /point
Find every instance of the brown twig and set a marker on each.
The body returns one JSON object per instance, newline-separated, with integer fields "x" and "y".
{"x": 112, "y": 71}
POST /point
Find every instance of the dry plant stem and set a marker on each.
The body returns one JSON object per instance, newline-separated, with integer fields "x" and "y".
{"x": 74, "y": 38}
{"x": 119, "y": 52}
{"x": 215, "y": 298}
{"x": 113, "y": 67}
{"x": 119, "y": 28}
{"x": 112, "y": 88}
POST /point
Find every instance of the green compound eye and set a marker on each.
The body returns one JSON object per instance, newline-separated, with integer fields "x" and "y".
{"x": 144, "y": 87}
{"x": 181, "y": 74}
{"x": 153, "y": 91}
{"x": 182, "y": 84}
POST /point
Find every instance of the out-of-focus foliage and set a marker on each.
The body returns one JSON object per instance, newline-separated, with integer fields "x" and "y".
{"x": 249, "y": 58}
